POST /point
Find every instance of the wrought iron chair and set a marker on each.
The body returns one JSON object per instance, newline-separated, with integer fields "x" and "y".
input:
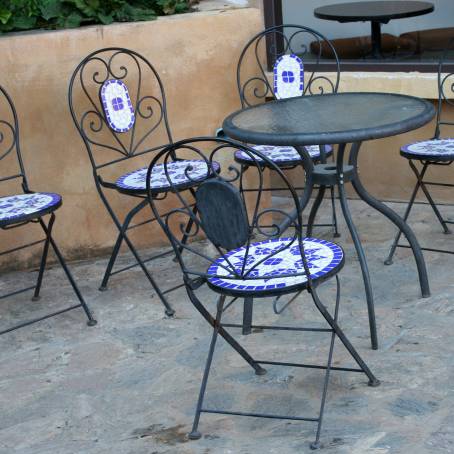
{"x": 27, "y": 208}
{"x": 288, "y": 47}
{"x": 118, "y": 105}
{"x": 435, "y": 152}
{"x": 244, "y": 257}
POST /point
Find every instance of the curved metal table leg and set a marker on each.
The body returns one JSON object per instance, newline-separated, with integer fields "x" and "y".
{"x": 393, "y": 217}
{"x": 358, "y": 247}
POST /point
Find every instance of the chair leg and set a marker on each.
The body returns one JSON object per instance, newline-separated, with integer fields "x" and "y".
{"x": 44, "y": 255}
{"x": 119, "y": 241}
{"x": 419, "y": 177}
{"x": 195, "y": 434}
{"x": 91, "y": 320}
{"x": 334, "y": 215}
{"x": 373, "y": 381}
{"x": 168, "y": 309}
{"x": 188, "y": 228}
{"x": 259, "y": 370}
{"x": 430, "y": 200}
{"x": 316, "y": 443}
{"x": 313, "y": 213}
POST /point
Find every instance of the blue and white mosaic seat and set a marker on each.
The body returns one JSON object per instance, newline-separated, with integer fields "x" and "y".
{"x": 23, "y": 207}
{"x": 430, "y": 150}
{"x": 324, "y": 259}
{"x": 181, "y": 174}
{"x": 281, "y": 155}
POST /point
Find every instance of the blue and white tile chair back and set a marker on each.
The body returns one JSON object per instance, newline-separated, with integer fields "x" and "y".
{"x": 431, "y": 153}
{"x": 26, "y": 207}
{"x": 237, "y": 251}
{"x": 118, "y": 104}
{"x": 288, "y": 77}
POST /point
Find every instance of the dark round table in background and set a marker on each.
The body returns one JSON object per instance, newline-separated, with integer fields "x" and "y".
{"x": 341, "y": 119}
{"x": 375, "y": 12}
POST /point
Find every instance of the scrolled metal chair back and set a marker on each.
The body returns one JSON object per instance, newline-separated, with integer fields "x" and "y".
{"x": 302, "y": 43}
{"x": 228, "y": 220}
{"x": 10, "y": 153}
{"x": 445, "y": 86}
{"x": 118, "y": 104}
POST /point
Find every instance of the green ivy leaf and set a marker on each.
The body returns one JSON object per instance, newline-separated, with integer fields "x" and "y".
{"x": 5, "y": 15}
{"x": 23, "y": 22}
{"x": 50, "y": 8}
{"x": 131, "y": 13}
{"x": 105, "y": 19}
{"x": 73, "y": 20}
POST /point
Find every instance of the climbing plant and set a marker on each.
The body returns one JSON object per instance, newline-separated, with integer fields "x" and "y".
{"x": 16, "y": 15}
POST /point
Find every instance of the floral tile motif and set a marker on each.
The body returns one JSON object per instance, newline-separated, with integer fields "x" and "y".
{"x": 322, "y": 256}
{"x": 435, "y": 148}
{"x": 288, "y": 75}
{"x": 282, "y": 154}
{"x": 21, "y": 205}
{"x": 180, "y": 173}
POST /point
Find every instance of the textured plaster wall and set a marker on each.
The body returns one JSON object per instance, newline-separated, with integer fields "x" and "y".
{"x": 196, "y": 56}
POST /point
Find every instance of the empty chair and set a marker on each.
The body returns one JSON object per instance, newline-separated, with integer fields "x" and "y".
{"x": 118, "y": 105}
{"x": 432, "y": 153}
{"x": 237, "y": 254}
{"x": 295, "y": 72}
{"x": 27, "y": 208}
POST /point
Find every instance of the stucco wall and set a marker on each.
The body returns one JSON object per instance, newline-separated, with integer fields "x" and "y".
{"x": 195, "y": 54}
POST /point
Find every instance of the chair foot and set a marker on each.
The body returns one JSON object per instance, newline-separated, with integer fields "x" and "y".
{"x": 36, "y": 298}
{"x": 170, "y": 312}
{"x": 260, "y": 371}
{"x": 388, "y": 262}
{"x": 103, "y": 288}
{"x": 447, "y": 232}
{"x": 337, "y": 235}
{"x": 92, "y": 322}
{"x": 374, "y": 383}
{"x": 194, "y": 435}
{"x": 315, "y": 445}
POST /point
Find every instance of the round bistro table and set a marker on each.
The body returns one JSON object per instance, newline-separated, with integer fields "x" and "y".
{"x": 375, "y": 12}
{"x": 322, "y": 119}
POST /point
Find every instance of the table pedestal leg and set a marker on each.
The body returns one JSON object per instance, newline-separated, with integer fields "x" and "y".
{"x": 393, "y": 217}
{"x": 358, "y": 247}
{"x": 376, "y": 39}
{"x": 316, "y": 205}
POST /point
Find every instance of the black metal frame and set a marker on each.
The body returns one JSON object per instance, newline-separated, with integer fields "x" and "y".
{"x": 9, "y": 139}
{"x": 445, "y": 85}
{"x": 280, "y": 40}
{"x": 149, "y": 103}
{"x": 229, "y": 218}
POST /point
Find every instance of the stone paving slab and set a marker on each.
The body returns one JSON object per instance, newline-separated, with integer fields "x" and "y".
{"x": 129, "y": 385}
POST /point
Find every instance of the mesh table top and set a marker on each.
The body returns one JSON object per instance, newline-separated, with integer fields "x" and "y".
{"x": 328, "y": 119}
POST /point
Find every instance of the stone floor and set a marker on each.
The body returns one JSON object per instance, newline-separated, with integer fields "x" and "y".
{"x": 129, "y": 385}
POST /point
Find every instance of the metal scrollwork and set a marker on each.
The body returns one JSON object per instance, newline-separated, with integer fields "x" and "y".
{"x": 263, "y": 221}
{"x": 279, "y": 41}
{"x": 147, "y": 98}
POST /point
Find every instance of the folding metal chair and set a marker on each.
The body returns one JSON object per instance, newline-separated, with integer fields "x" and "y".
{"x": 118, "y": 105}
{"x": 244, "y": 257}
{"x": 289, "y": 56}
{"x": 432, "y": 153}
{"x": 28, "y": 208}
